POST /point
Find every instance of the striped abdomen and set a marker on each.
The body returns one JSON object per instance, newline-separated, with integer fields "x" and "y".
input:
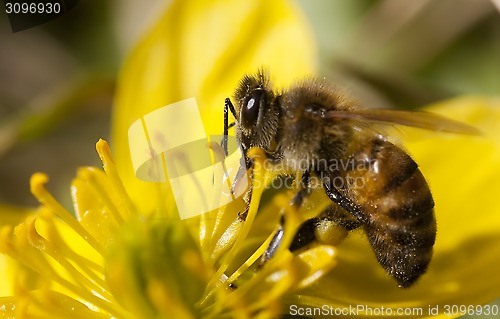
{"x": 398, "y": 208}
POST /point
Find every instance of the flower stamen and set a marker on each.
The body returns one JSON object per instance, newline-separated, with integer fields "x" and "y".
{"x": 31, "y": 249}
{"x": 54, "y": 247}
{"x": 96, "y": 179}
{"x": 258, "y": 157}
{"x": 37, "y": 182}
{"x": 126, "y": 207}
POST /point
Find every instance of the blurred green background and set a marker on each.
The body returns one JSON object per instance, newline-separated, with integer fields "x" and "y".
{"x": 57, "y": 80}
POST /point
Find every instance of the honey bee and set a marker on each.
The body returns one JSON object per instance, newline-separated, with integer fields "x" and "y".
{"x": 314, "y": 124}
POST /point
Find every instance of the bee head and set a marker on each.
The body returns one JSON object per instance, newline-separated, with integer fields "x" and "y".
{"x": 257, "y": 113}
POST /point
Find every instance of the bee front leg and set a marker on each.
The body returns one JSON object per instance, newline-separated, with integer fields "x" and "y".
{"x": 228, "y": 106}
{"x": 297, "y": 200}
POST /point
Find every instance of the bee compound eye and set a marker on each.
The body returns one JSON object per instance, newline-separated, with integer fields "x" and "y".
{"x": 251, "y": 108}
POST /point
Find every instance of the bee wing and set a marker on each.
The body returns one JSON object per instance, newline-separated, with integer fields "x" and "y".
{"x": 418, "y": 119}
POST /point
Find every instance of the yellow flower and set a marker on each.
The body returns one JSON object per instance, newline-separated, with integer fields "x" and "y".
{"x": 129, "y": 258}
{"x": 63, "y": 258}
{"x": 127, "y": 254}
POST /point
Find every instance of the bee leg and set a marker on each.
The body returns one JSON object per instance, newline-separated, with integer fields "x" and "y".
{"x": 297, "y": 200}
{"x": 247, "y": 197}
{"x": 329, "y": 228}
{"x": 340, "y": 218}
{"x": 305, "y": 235}
{"x": 227, "y": 126}
{"x": 343, "y": 201}
{"x": 304, "y": 189}
{"x": 274, "y": 244}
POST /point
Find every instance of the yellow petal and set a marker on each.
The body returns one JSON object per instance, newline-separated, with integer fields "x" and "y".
{"x": 90, "y": 209}
{"x": 11, "y": 215}
{"x": 201, "y": 49}
{"x": 465, "y": 180}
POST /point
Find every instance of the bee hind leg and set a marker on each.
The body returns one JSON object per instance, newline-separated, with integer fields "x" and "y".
{"x": 343, "y": 201}
{"x": 329, "y": 228}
